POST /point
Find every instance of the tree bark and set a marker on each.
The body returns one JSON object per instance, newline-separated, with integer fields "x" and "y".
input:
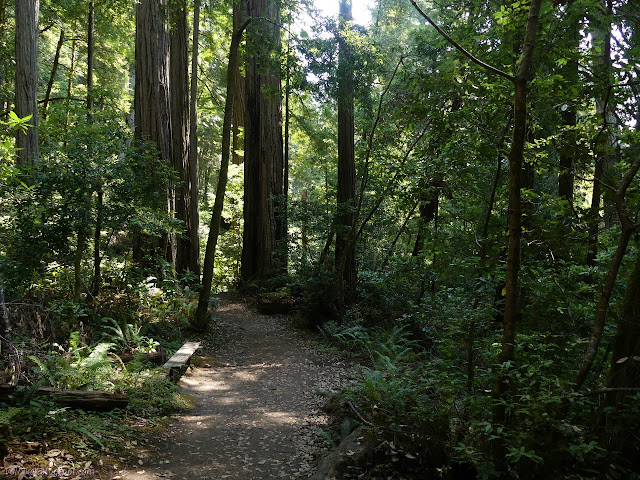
{"x": 4, "y": 62}
{"x": 71, "y": 73}
{"x": 516, "y": 153}
{"x": 569, "y": 121}
{"x": 6, "y": 345}
{"x": 52, "y": 77}
{"x": 625, "y": 361}
{"x": 201, "y": 321}
{"x": 90, "y": 59}
{"x": 26, "y": 67}
{"x": 151, "y": 98}
{"x": 84, "y": 399}
{"x": 346, "y": 188}
{"x": 263, "y": 149}
{"x": 179, "y": 92}
{"x": 97, "y": 259}
{"x": 602, "y": 308}
{"x": 194, "y": 260}
{"x": 240, "y": 101}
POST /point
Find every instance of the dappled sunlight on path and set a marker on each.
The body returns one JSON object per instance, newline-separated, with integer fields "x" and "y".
{"x": 256, "y": 408}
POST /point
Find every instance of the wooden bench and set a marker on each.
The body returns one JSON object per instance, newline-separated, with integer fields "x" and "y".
{"x": 180, "y": 360}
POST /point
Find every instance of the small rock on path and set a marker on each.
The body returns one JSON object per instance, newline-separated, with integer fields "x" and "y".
{"x": 256, "y": 407}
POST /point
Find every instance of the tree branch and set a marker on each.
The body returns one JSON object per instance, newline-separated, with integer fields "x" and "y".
{"x": 460, "y": 48}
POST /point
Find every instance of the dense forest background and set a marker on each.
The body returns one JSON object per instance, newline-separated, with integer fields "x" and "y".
{"x": 449, "y": 193}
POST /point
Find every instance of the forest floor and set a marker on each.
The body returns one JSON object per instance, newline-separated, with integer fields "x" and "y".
{"x": 258, "y": 396}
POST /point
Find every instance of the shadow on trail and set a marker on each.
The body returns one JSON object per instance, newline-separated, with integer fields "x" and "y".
{"x": 255, "y": 413}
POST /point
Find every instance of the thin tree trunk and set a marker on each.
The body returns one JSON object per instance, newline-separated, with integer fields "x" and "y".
{"x": 72, "y": 72}
{"x": 97, "y": 277}
{"x": 303, "y": 228}
{"x": 52, "y": 77}
{"x": 4, "y": 68}
{"x": 625, "y": 361}
{"x": 604, "y": 141}
{"x": 569, "y": 121}
{"x": 77, "y": 262}
{"x": 194, "y": 253}
{"x": 285, "y": 182}
{"x": 6, "y": 345}
{"x": 240, "y": 102}
{"x": 628, "y": 228}
{"x": 593, "y": 216}
{"x": 392, "y": 247}
{"x": 201, "y": 320}
{"x": 97, "y": 260}
{"x": 90, "y": 59}
{"x": 26, "y": 67}
{"x": 482, "y": 258}
{"x": 512, "y": 307}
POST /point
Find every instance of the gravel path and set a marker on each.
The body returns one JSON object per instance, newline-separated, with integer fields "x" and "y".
{"x": 257, "y": 407}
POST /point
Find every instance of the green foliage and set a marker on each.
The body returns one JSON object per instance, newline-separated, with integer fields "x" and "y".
{"x": 127, "y": 338}
{"x": 156, "y": 396}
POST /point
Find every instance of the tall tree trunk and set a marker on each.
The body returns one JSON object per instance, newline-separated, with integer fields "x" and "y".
{"x": 151, "y": 98}
{"x": 97, "y": 259}
{"x": 602, "y": 307}
{"x": 201, "y": 319}
{"x": 569, "y": 121}
{"x": 605, "y": 140}
{"x": 263, "y": 148}
{"x": 179, "y": 81}
{"x": 516, "y": 153}
{"x": 482, "y": 260}
{"x": 624, "y": 373}
{"x": 194, "y": 252}
{"x": 97, "y": 267}
{"x": 346, "y": 188}
{"x": 625, "y": 362}
{"x": 285, "y": 182}
{"x": 6, "y": 346}
{"x": 27, "y": 13}
{"x": 240, "y": 101}
{"x": 4, "y": 67}
{"x": 91, "y": 44}
{"x": 52, "y": 77}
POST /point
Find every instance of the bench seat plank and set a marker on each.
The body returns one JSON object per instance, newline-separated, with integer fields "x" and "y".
{"x": 183, "y": 355}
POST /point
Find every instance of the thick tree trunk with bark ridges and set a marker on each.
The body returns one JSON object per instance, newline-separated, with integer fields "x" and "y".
{"x": 151, "y": 100}
{"x": 346, "y": 189}
{"x": 26, "y": 67}
{"x": 263, "y": 162}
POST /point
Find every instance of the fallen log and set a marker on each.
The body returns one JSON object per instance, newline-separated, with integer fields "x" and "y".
{"x": 83, "y": 399}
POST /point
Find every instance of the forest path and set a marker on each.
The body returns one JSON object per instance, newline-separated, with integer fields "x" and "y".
{"x": 256, "y": 405}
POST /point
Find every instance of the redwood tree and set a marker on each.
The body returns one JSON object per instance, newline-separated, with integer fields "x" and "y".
{"x": 186, "y": 256}
{"x": 151, "y": 99}
{"x": 27, "y": 13}
{"x": 346, "y": 189}
{"x": 263, "y": 152}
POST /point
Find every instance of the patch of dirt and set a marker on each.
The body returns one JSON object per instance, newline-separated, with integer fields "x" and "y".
{"x": 258, "y": 399}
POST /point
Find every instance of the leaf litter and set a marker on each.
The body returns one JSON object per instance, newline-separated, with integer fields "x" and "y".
{"x": 257, "y": 407}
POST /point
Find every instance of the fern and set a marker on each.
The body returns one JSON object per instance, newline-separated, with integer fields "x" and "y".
{"x": 44, "y": 369}
{"x": 7, "y": 415}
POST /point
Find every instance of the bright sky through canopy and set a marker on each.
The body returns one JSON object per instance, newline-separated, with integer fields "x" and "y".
{"x": 361, "y": 9}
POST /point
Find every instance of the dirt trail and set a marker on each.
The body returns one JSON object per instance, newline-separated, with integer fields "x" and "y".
{"x": 256, "y": 406}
